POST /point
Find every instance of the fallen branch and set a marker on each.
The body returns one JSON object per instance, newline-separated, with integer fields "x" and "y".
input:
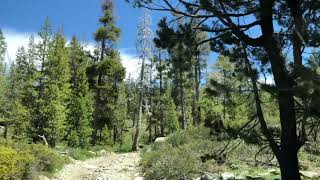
{"x": 44, "y": 139}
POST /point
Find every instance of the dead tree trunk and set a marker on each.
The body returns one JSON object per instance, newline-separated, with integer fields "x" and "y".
{"x": 137, "y": 123}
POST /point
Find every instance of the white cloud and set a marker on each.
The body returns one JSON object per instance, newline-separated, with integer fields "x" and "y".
{"x": 16, "y": 39}
{"x": 131, "y": 63}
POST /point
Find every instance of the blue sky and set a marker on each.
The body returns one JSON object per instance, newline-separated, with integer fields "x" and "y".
{"x": 77, "y": 17}
{"x": 21, "y": 18}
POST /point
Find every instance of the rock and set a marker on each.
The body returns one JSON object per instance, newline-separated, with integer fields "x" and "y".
{"x": 264, "y": 174}
{"x": 209, "y": 176}
{"x": 161, "y": 139}
{"x": 227, "y": 176}
{"x": 102, "y": 153}
{"x": 41, "y": 177}
{"x": 309, "y": 174}
{"x": 102, "y": 177}
{"x": 88, "y": 166}
{"x": 91, "y": 152}
{"x": 253, "y": 177}
{"x": 234, "y": 166}
{"x": 273, "y": 171}
{"x": 198, "y": 178}
{"x": 2, "y": 130}
{"x": 239, "y": 177}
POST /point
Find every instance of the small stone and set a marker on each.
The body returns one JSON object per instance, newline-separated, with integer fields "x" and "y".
{"x": 227, "y": 176}
{"x": 91, "y": 152}
{"x": 102, "y": 177}
{"x": 161, "y": 139}
{"x": 41, "y": 177}
{"x": 309, "y": 174}
{"x": 209, "y": 176}
{"x": 88, "y": 166}
{"x": 234, "y": 166}
{"x": 273, "y": 171}
{"x": 240, "y": 177}
{"x": 264, "y": 174}
{"x": 102, "y": 153}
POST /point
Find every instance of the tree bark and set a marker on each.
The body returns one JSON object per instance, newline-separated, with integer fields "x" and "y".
{"x": 138, "y": 120}
{"x": 161, "y": 100}
{"x": 289, "y": 165}
{"x": 183, "y": 114}
{"x": 196, "y": 98}
{"x": 290, "y": 144}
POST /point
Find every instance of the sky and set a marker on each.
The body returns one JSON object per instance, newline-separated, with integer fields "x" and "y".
{"x": 21, "y": 18}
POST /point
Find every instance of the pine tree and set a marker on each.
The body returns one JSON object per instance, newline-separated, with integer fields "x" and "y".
{"x": 39, "y": 54}
{"x": 177, "y": 43}
{"x": 3, "y": 84}
{"x": 56, "y": 90}
{"x": 18, "y": 85}
{"x": 105, "y": 75}
{"x": 170, "y": 114}
{"x": 80, "y": 107}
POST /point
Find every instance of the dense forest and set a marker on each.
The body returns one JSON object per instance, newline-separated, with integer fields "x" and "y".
{"x": 250, "y": 113}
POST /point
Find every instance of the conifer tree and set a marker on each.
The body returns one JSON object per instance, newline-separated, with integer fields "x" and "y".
{"x": 80, "y": 108}
{"x": 3, "y": 83}
{"x": 18, "y": 86}
{"x": 105, "y": 75}
{"x": 170, "y": 114}
{"x": 56, "y": 90}
{"x": 39, "y": 119}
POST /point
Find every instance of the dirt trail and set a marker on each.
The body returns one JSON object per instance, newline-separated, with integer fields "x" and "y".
{"x": 108, "y": 167}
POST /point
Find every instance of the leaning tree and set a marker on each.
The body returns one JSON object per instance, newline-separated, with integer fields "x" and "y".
{"x": 276, "y": 31}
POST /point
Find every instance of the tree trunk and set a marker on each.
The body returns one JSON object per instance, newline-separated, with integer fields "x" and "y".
{"x": 289, "y": 141}
{"x": 224, "y": 96}
{"x": 183, "y": 114}
{"x": 289, "y": 166}
{"x": 138, "y": 121}
{"x": 161, "y": 100}
{"x": 198, "y": 92}
{"x": 114, "y": 134}
{"x": 5, "y": 133}
{"x": 195, "y": 106}
{"x": 290, "y": 144}
{"x": 150, "y": 103}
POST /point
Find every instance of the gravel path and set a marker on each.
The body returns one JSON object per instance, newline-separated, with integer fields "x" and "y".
{"x": 109, "y": 167}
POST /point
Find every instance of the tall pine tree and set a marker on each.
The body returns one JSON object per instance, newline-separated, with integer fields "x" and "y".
{"x": 80, "y": 107}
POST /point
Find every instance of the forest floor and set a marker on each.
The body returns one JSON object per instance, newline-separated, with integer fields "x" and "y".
{"x": 111, "y": 166}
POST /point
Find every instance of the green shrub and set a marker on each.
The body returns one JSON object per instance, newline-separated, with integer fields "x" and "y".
{"x": 179, "y": 156}
{"x": 125, "y": 145}
{"x": 171, "y": 163}
{"x": 20, "y": 160}
{"x": 47, "y": 160}
{"x": 14, "y": 164}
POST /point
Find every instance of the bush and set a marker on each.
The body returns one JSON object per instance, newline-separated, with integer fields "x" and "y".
{"x": 47, "y": 160}
{"x": 20, "y": 160}
{"x": 171, "y": 163}
{"x": 178, "y": 157}
{"x": 14, "y": 164}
